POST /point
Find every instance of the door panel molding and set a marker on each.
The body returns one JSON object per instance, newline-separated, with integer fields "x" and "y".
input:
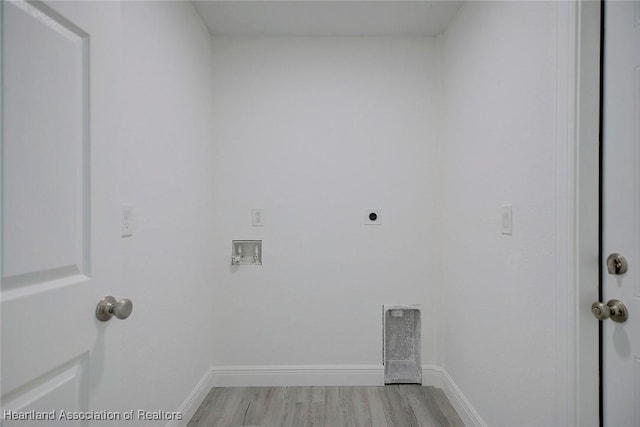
{"x": 65, "y": 308}
{"x": 564, "y": 211}
{"x": 54, "y": 389}
{"x": 45, "y": 145}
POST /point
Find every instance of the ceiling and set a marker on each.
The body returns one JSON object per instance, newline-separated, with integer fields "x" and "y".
{"x": 326, "y": 17}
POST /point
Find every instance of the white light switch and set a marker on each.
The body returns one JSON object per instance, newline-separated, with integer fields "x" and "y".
{"x": 257, "y": 218}
{"x": 506, "y": 218}
{"x": 127, "y": 221}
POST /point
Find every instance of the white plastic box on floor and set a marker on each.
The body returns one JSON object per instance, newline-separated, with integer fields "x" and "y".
{"x": 402, "y": 344}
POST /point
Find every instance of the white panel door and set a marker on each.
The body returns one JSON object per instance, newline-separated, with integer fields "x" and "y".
{"x": 621, "y": 226}
{"x": 57, "y": 249}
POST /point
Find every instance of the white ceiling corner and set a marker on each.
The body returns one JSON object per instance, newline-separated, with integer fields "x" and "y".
{"x": 326, "y": 17}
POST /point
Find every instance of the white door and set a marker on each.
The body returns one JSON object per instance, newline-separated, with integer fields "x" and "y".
{"x": 59, "y": 231}
{"x": 621, "y": 219}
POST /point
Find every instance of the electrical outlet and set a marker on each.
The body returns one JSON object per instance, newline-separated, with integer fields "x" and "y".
{"x": 372, "y": 217}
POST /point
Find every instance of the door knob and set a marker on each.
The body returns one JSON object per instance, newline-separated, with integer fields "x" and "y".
{"x": 614, "y": 309}
{"x": 616, "y": 264}
{"x": 108, "y": 307}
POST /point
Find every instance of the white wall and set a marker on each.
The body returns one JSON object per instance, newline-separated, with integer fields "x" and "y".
{"x": 166, "y": 174}
{"x": 315, "y": 131}
{"x": 499, "y": 104}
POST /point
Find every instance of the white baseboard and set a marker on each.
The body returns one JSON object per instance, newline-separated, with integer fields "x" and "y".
{"x": 193, "y": 401}
{"x": 459, "y": 402}
{"x": 432, "y": 376}
{"x": 300, "y": 375}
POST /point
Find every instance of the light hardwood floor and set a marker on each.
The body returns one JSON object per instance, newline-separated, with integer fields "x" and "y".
{"x": 403, "y": 405}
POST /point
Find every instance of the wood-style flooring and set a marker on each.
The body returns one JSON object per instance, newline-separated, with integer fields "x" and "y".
{"x": 403, "y": 405}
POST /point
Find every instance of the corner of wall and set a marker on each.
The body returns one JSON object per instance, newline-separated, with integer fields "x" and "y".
{"x": 193, "y": 400}
{"x": 481, "y": 91}
{"x": 460, "y": 403}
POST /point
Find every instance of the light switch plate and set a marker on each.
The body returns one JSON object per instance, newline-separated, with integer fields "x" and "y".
{"x": 506, "y": 219}
{"x": 127, "y": 221}
{"x": 257, "y": 217}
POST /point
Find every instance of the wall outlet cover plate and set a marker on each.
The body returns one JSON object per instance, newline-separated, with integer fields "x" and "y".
{"x": 372, "y": 217}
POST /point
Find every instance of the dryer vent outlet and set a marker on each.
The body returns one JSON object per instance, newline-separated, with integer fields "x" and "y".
{"x": 402, "y": 345}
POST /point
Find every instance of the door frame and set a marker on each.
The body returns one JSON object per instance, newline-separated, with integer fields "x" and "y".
{"x": 584, "y": 342}
{"x": 577, "y": 115}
